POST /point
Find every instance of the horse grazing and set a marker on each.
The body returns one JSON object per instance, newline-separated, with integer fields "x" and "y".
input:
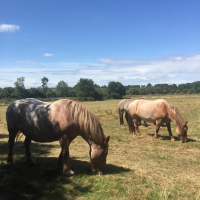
{"x": 123, "y": 107}
{"x": 158, "y": 112}
{"x": 61, "y": 120}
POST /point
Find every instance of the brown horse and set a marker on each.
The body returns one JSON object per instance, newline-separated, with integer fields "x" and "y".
{"x": 123, "y": 107}
{"x": 61, "y": 120}
{"x": 158, "y": 112}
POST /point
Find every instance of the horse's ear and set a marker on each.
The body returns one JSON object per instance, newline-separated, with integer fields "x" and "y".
{"x": 106, "y": 140}
{"x": 185, "y": 123}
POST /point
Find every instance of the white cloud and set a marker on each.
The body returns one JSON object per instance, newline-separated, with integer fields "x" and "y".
{"x": 8, "y": 28}
{"x": 178, "y": 58}
{"x": 26, "y": 61}
{"x": 48, "y": 54}
{"x": 129, "y": 72}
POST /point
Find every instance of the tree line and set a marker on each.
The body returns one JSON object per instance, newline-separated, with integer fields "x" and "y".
{"x": 87, "y": 90}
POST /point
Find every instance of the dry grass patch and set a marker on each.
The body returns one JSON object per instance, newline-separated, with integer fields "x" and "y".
{"x": 137, "y": 167}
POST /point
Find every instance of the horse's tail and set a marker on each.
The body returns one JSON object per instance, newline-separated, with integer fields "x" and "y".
{"x": 121, "y": 111}
{"x": 130, "y": 123}
{"x": 18, "y": 136}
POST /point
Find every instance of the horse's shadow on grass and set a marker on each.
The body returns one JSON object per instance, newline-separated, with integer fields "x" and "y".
{"x": 84, "y": 167}
{"x": 163, "y": 137}
{"x": 37, "y": 149}
{"x": 19, "y": 149}
{"x": 44, "y": 180}
{"x": 2, "y": 136}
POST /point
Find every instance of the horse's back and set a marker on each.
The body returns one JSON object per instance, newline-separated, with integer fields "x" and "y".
{"x": 123, "y": 104}
{"x": 149, "y": 110}
{"x": 29, "y": 116}
{"x": 16, "y": 108}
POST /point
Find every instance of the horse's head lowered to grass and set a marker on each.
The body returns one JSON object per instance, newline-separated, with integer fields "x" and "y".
{"x": 98, "y": 154}
{"x": 181, "y": 131}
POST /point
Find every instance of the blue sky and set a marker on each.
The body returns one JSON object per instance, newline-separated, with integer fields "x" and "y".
{"x": 135, "y": 42}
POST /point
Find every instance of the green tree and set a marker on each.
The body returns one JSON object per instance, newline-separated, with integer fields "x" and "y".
{"x": 87, "y": 90}
{"x": 20, "y": 91}
{"x": 7, "y": 92}
{"x": 116, "y": 90}
{"x": 62, "y": 89}
{"x": 34, "y": 93}
{"x": 44, "y": 80}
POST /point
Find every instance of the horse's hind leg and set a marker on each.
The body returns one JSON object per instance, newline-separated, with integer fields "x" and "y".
{"x": 139, "y": 122}
{"x": 170, "y": 132}
{"x": 136, "y": 126}
{"x": 11, "y": 143}
{"x": 27, "y": 144}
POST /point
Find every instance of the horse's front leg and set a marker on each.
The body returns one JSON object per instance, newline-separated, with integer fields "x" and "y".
{"x": 27, "y": 144}
{"x": 64, "y": 155}
{"x": 170, "y": 132}
{"x": 158, "y": 123}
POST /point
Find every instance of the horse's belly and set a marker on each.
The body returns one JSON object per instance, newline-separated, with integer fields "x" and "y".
{"x": 40, "y": 135}
{"x": 149, "y": 120}
{"x": 148, "y": 117}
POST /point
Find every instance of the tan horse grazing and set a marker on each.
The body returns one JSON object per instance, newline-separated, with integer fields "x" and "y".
{"x": 158, "y": 112}
{"x": 61, "y": 120}
{"x": 123, "y": 107}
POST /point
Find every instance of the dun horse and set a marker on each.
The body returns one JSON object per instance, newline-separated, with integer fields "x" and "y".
{"x": 158, "y": 112}
{"x": 61, "y": 120}
{"x": 123, "y": 107}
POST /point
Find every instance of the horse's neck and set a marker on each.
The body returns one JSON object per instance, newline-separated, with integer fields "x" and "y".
{"x": 172, "y": 115}
{"x": 90, "y": 142}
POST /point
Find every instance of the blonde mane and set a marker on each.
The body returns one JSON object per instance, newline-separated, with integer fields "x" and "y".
{"x": 86, "y": 121}
{"x": 178, "y": 118}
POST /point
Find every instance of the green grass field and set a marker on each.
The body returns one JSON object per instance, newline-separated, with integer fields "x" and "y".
{"x": 137, "y": 167}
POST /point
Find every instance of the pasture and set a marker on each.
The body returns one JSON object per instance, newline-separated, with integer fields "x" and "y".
{"x": 137, "y": 167}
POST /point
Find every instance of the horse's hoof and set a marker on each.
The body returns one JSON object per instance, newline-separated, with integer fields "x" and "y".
{"x": 172, "y": 139}
{"x": 134, "y": 135}
{"x": 69, "y": 173}
{"x": 97, "y": 172}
